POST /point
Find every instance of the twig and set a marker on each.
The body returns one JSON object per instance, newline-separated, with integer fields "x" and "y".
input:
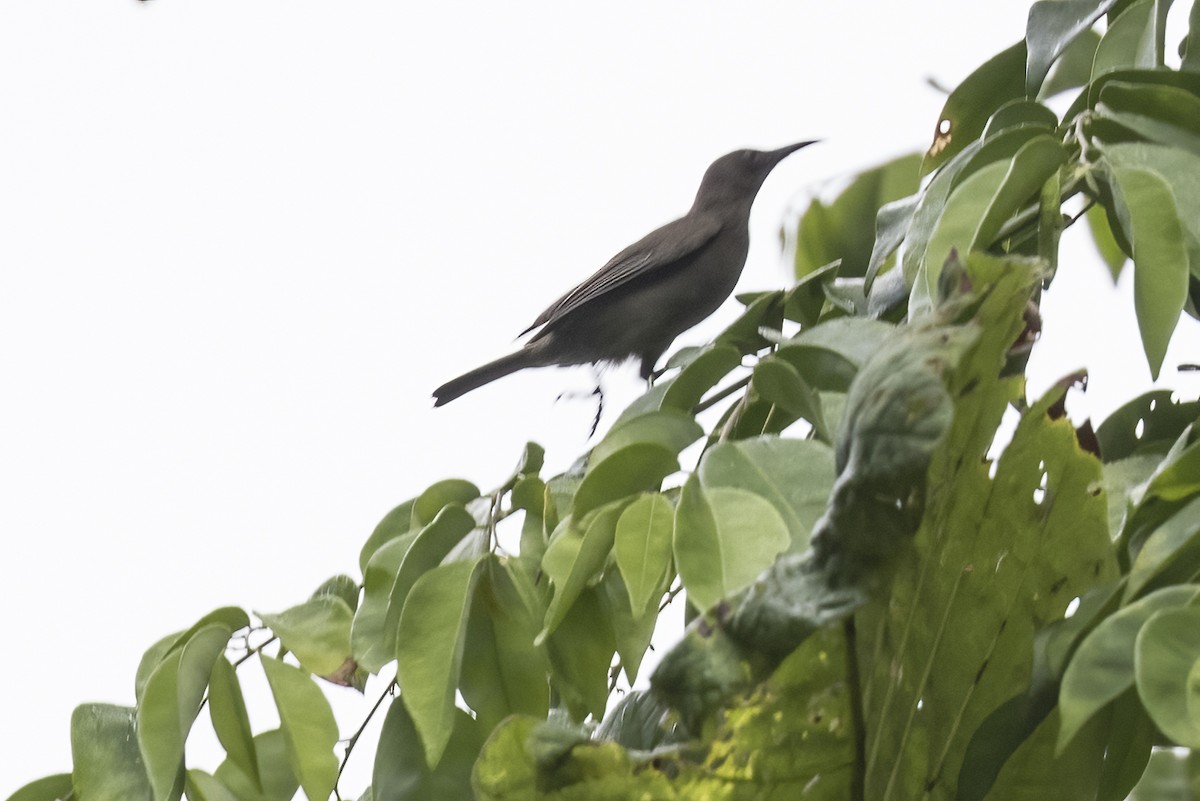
{"x": 720, "y": 395}
{"x": 389, "y": 690}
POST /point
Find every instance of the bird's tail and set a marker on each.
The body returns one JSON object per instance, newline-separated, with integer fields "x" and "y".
{"x": 484, "y": 375}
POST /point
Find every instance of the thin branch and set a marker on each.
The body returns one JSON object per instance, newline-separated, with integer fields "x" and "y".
{"x": 388, "y": 690}
{"x": 720, "y": 395}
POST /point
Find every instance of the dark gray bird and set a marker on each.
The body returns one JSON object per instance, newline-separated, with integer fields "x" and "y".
{"x": 651, "y": 291}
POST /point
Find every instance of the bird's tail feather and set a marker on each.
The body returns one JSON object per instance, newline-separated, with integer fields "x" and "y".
{"x": 483, "y": 375}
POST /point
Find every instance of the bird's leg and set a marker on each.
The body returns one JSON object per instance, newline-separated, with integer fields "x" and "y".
{"x": 599, "y": 393}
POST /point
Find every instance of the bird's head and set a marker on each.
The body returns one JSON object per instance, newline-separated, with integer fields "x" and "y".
{"x": 737, "y": 176}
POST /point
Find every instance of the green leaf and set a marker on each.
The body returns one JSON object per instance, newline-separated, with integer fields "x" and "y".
{"x": 1171, "y": 555}
{"x": 1148, "y": 424}
{"x": 1167, "y": 666}
{"x": 633, "y": 630}
{"x": 316, "y": 631}
{"x": 170, "y": 703}
{"x": 503, "y": 672}
{"x": 429, "y": 650}
{"x": 1103, "y": 665}
{"x": 1165, "y": 115}
{"x": 231, "y": 722}
{"x": 1189, "y": 48}
{"x": 201, "y": 786}
{"x": 401, "y": 772}
{"x": 795, "y": 476}
{"x": 394, "y": 524}
{"x": 49, "y": 788}
{"x": 745, "y": 333}
{"x": 1122, "y": 45}
{"x": 278, "y": 781}
{"x": 724, "y": 537}
{"x": 1110, "y": 252}
{"x": 640, "y": 467}
{"x": 703, "y": 373}
{"x": 231, "y": 617}
{"x": 827, "y": 232}
{"x": 431, "y": 546}
{"x": 340, "y": 586}
{"x": 1018, "y": 114}
{"x": 967, "y": 109}
{"x": 107, "y": 764}
{"x": 577, "y": 552}
{"x": 1053, "y": 25}
{"x": 432, "y": 501}
{"x": 1159, "y": 255}
{"x": 672, "y": 429}
{"x": 779, "y": 383}
{"x": 581, "y": 650}
{"x": 827, "y": 356}
{"x": 642, "y": 547}
{"x": 309, "y": 730}
{"x": 505, "y": 771}
{"x": 1074, "y": 67}
{"x": 372, "y": 642}
{"x": 891, "y": 227}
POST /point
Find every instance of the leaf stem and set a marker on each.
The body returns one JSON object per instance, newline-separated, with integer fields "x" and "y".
{"x": 388, "y": 690}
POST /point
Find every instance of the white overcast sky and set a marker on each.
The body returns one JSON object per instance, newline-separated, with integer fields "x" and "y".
{"x": 242, "y": 240}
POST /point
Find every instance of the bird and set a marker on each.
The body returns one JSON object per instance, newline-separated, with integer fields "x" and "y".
{"x": 652, "y": 291}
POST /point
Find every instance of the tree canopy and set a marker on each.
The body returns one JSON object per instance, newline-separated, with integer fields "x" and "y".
{"x": 883, "y": 604}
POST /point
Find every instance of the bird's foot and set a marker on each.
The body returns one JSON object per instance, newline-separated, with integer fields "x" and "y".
{"x": 599, "y": 393}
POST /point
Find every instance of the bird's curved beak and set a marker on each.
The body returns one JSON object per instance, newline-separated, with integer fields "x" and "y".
{"x": 776, "y": 156}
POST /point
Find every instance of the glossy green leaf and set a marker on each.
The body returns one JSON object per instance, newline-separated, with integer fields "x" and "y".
{"x": 685, "y": 390}
{"x": 429, "y": 650}
{"x": 1178, "y": 477}
{"x": 48, "y": 788}
{"x": 1167, "y": 666}
{"x": 672, "y": 429}
{"x": 1053, "y": 25}
{"x": 232, "y": 617}
{"x": 1020, "y": 113}
{"x": 794, "y": 476}
{"x": 372, "y": 642}
{"x": 1031, "y": 167}
{"x": 1189, "y": 48}
{"x": 170, "y": 703}
{"x": 1148, "y": 424}
{"x": 724, "y": 537}
{"x": 1121, "y": 45}
{"x": 827, "y": 356}
{"x": 340, "y": 586}
{"x": 642, "y": 547}
{"x": 967, "y": 109}
{"x": 640, "y": 467}
{"x": 1110, "y": 252}
{"x": 401, "y": 772}
{"x": 1159, "y": 255}
{"x": 230, "y": 720}
{"x": 1171, "y": 555}
{"x": 1103, "y": 666}
{"x": 745, "y": 333}
{"x": 891, "y": 227}
{"x": 432, "y": 501}
{"x": 505, "y": 770}
{"x": 316, "y": 631}
{"x": 581, "y": 650}
{"x": 1165, "y": 115}
{"x": 780, "y": 384}
{"x": 632, "y": 630}
{"x": 309, "y": 730}
{"x": 107, "y": 764}
{"x": 834, "y": 230}
{"x": 1073, "y": 68}
{"x": 431, "y": 546}
{"x": 576, "y": 554}
{"x": 201, "y": 786}
{"x": 503, "y": 672}
{"x": 394, "y": 524}
{"x": 278, "y": 782}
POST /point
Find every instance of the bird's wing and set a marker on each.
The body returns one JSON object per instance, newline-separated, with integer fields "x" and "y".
{"x": 657, "y": 250}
